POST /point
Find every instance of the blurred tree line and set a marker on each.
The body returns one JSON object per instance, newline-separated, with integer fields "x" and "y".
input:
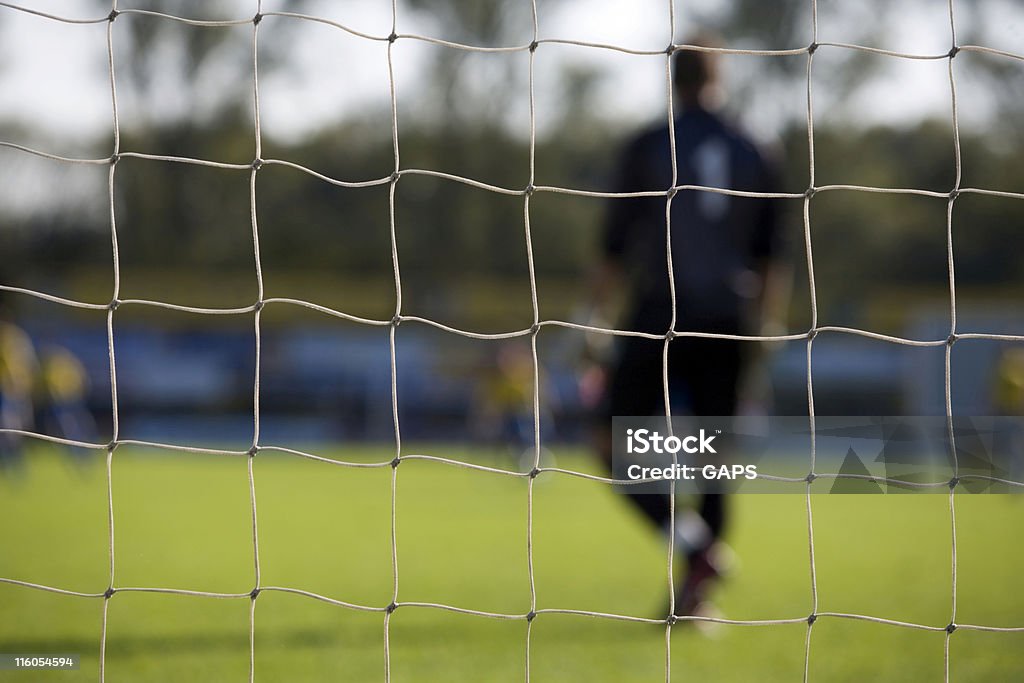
{"x": 178, "y": 217}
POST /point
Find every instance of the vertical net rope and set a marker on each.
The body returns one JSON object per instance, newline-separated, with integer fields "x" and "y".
{"x": 391, "y": 181}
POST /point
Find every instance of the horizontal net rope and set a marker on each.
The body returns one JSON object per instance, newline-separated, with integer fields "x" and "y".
{"x": 401, "y": 317}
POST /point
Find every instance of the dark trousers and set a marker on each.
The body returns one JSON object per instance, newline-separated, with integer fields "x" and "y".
{"x": 703, "y": 376}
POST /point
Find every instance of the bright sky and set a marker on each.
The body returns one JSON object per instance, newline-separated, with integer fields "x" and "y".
{"x": 53, "y": 76}
{"x": 54, "y": 81}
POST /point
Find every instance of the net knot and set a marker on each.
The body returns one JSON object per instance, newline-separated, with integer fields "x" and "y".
{"x": 391, "y": 607}
{"x": 112, "y": 446}
{"x": 254, "y": 593}
{"x": 810, "y": 192}
{"x": 531, "y": 615}
{"x": 113, "y": 15}
{"x": 257, "y": 19}
{"x": 396, "y": 320}
{"x": 534, "y": 472}
{"x": 393, "y": 178}
{"x": 672, "y": 620}
{"x": 114, "y": 158}
{"x": 950, "y": 627}
{"x": 109, "y": 592}
{"x": 953, "y": 482}
{"x": 253, "y": 451}
{"x": 953, "y": 51}
{"x": 951, "y": 339}
{"x": 396, "y": 462}
{"x": 811, "y": 334}
{"x": 258, "y": 306}
{"x": 393, "y": 37}
{"x": 811, "y": 476}
{"x": 257, "y": 164}
{"x": 954, "y": 195}
{"x": 670, "y": 335}
{"x": 530, "y": 189}
{"x": 671, "y": 49}
{"x": 811, "y": 619}
{"x": 812, "y": 48}
{"x": 534, "y": 328}
{"x": 533, "y": 46}
{"x": 672, "y": 192}
{"x": 114, "y": 303}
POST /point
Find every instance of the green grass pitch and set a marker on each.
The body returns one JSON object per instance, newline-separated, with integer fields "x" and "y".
{"x": 183, "y": 521}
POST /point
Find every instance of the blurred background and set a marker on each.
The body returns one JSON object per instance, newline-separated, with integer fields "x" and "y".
{"x": 185, "y": 236}
{"x": 187, "y": 522}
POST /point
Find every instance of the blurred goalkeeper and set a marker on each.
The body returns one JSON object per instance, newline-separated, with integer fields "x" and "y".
{"x": 727, "y": 272}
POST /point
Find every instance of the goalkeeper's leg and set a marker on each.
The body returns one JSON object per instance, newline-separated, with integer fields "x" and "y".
{"x": 709, "y": 370}
{"x": 636, "y": 388}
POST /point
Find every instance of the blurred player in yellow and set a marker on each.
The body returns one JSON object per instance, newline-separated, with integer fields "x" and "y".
{"x": 506, "y": 404}
{"x": 1008, "y": 401}
{"x": 1009, "y": 384}
{"x": 62, "y": 392}
{"x": 18, "y": 369}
